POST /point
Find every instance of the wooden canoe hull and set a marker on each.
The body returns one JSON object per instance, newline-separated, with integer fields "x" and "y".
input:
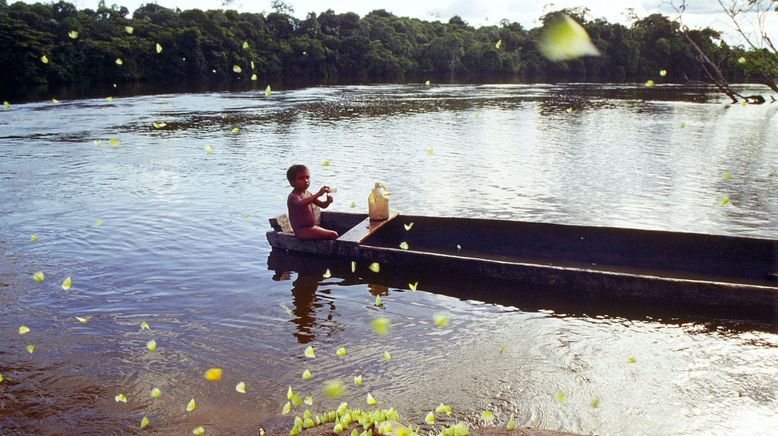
{"x": 677, "y": 268}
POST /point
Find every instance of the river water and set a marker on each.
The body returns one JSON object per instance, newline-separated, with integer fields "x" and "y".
{"x": 153, "y": 228}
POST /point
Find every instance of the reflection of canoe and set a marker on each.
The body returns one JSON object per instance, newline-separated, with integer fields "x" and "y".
{"x": 646, "y": 265}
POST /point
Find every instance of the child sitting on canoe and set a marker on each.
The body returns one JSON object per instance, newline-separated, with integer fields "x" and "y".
{"x": 301, "y": 203}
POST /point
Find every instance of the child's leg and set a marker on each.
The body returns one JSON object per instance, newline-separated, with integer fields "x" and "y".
{"x": 315, "y": 232}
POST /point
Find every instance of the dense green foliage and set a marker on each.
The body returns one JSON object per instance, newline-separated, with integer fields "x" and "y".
{"x": 205, "y": 45}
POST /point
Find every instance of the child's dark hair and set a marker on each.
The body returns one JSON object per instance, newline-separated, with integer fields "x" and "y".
{"x": 293, "y": 171}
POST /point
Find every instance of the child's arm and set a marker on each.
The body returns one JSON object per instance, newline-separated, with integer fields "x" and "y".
{"x": 297, "y": 201}
{"x": 323, "y": 204}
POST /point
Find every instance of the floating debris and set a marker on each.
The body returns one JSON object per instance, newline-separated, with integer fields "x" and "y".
{"x": 375, "y": 267}
{"x": 596, "y": 403}
{"x": 488, "y": 415}
{"x": 353, "y": 266}
{"x": 159, "y": 48}
{"x": 341, "y": 351}
{"x": 387, "y": 356}
{"x": 427, "y": 83}
{"x": 631, "y": 360}
{"x": 254, "y": 77}
{"x": 156, "y": 392}
{"x": 235, "y": 130}
{"x": 6, "y": 105}
{"x": 44, "y": 59}
{"x": 73, "y": 34}
{"x": 144, "y": 422}
{"x": 327, "y": 274}
{"x": 725, "y": 201}
{"x": 67, "y": 283}
{"x": 650, "y": 83}
{"x": 39, "y": 276}
{"x": 268, "y": 91}
{"x": 307, "y": 375}
{"x": 159, "y": 125}
{"x": 430, "y": 418}
{"x": 151, "y": 345}
{"x": 326, "y": 163}
{"x": 663, "y": 72}
{"x": 145, "y": 326}
{"x": 119, "y": 61}
{"x": 371, "y": 399}
{"x": 198, "y": 431}
{"x": 511, "y": 425}
{"x": 308, "y": 400}
{"x": 358, "y": 380}
{"x": 241, "y": 387}
{"x": 30, "y": 349}
{"x": 408, "y": 226}
{"x": 560, "y": 396}
{"x": 23, "y": 330}
{"x": 121, "y": 398}
{"x": 309, "y": 352}
{"x": 34, "y": 238}
{"x": 237, "y": 69}
{"x": 499, "y": 44}
{"x": 379, "y": 301}
{"x": 245, "y": 44}
{"x": 741, "y": 60}
{"x": 413, "y": 286}
{"x": 129, "y": 29}
{"x": 191, "y": 405}
{"x": 404, "y": 245}
{"x": 208, "y": 149}
{"x": 83, "y": 320}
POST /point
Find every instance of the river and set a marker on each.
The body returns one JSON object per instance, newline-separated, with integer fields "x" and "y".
{"x": 153, "y": 228}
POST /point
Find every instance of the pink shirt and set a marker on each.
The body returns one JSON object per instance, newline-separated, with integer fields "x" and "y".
{"x": 300, "y": 216}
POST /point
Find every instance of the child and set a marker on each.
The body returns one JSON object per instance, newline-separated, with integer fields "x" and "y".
{"x": 300, "y": 204}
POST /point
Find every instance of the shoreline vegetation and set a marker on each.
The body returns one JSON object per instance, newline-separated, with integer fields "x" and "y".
{"x": 54, "y": 46}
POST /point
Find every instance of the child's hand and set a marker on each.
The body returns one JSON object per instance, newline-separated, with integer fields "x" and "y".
{"x": 329, "y": 199}
{"x": 322, "y": 191}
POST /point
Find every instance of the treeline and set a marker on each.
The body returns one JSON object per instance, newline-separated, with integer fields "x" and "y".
{"x": 84, "y": 46}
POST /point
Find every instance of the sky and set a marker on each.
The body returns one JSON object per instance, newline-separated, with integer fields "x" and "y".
{"x": 699, "y": 13}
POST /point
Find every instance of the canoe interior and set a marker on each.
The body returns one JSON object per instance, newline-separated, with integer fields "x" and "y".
{"x": 678, "y": 255}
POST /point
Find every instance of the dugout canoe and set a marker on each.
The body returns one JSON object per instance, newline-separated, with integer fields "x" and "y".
{"x": 598, "y": 262}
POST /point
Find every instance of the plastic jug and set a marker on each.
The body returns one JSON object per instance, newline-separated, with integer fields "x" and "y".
{"x": 378, "y": 202}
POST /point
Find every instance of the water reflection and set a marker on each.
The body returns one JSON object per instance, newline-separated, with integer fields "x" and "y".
{"x": 554, "y": 301}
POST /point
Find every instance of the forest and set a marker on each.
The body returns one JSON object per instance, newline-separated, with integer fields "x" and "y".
{"x": 52, "y": 44}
